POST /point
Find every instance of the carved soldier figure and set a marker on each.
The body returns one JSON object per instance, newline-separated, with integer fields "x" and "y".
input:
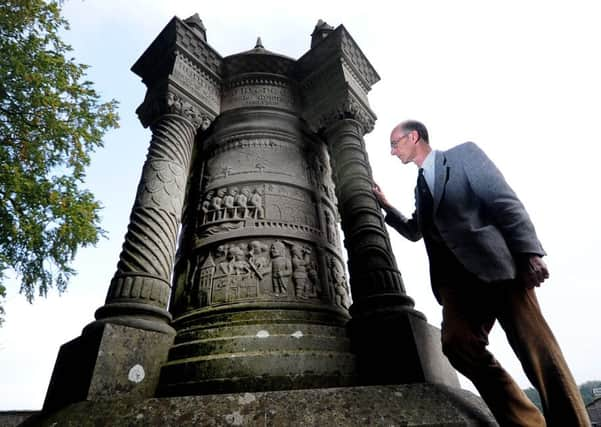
{"x": 258, "y": 257}
{"x": 216, "y": 204}
{"x": 281, "y": 268}
{"x": 242, "y": 202}
{"x": 330, "y": 228}
{"x": 341, "y": 298}
{"x": 222, "y": 255}
{"x": 238, "y": 264}
{"x": 229, "y": 210}
{"x": 300, "y": 275}
{"x": 256, "y": 202}
{"x": 206, "y": 207}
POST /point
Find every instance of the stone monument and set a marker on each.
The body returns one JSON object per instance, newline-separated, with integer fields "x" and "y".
{"x": 231, "y": 278}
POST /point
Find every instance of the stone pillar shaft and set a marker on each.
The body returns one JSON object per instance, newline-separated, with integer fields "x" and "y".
{"x": 374, "y": 276}
{"x": 141, "y": 284}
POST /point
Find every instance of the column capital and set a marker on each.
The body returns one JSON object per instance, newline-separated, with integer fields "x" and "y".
{"x": 182, "y": 74}
{"x": 335, "y": 78}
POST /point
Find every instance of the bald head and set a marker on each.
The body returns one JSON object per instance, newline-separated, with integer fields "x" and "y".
{"x": 413, "y": 125}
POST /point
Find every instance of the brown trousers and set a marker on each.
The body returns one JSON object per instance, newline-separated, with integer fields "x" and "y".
{"x": 469, "y": 313}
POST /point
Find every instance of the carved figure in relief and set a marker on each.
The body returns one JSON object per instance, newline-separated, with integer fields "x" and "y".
{"x": 314, "y": 285}
{"x": 216, "y": 204}
{"x": 258, "y": 259}
{"x": 238, "y": 264}
{"x": 300, "y": 261}
{"x": 206, "y": 206}
{"x": 256, "y": 204}
{"x": 242, "y": 202}
{"x": 222, "y": 254}
{"x": 341, "y": 296}
{"x": 229, "y": 210}
{"x": 281, "y": 268}
{"x": 330, "y": 227}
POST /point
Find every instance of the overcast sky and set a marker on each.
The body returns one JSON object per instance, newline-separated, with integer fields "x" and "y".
{"x": 521, "y": 79}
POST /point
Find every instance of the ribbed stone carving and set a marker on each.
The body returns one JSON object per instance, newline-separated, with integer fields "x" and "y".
{"x": 372, "y": 266}
{"x": 146, "y": 262}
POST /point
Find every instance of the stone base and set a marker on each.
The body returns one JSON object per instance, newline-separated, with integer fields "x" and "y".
{"x": 105, "y": 362}
{"x": 399, "y": 405}
{"x": 399, "y": 347}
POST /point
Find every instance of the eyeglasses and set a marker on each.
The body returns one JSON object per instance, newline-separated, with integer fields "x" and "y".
{"x": 395, "y": 143}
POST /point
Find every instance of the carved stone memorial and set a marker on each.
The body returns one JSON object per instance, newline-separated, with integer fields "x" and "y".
{"x": 232, "y": 276}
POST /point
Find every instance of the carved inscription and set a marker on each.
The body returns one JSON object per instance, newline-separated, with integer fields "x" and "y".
{"x": 258, "y": 96}
{"x": 198, "y": 83}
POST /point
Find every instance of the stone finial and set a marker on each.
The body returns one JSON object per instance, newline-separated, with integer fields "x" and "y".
{"x": 259, "y": 44}
{"x": 197, "y": 26}
{"x": 320, "y": 32}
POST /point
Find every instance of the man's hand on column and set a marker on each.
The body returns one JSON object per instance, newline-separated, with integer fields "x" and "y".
{"x": 381, "y": 197}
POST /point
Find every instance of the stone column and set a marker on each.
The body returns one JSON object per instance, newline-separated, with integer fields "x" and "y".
{"x": 392, "y": 341}
{"x": 121, "y": 353}
{"x": 375, "y": 280}
{"x": 139, "y": 291}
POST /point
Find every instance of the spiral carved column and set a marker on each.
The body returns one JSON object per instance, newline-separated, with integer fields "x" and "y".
{"x": 375, "y": 280}
{"x": 139, "y": 291}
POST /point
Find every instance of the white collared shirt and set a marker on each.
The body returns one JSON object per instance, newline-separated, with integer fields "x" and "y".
{"x": 429, "y": 166}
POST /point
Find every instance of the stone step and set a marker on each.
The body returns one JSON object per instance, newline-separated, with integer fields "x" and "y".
{"x": 258, "y": 364}
{"x": 262, "y": 341}
{"x": 204, "y": 332}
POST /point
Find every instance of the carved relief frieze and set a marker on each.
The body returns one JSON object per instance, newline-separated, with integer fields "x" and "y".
{"x": 199, "y": 83}
{"x": 331, "y": 227}
{"x": 160, "y": 101}
{"x": 290, "y": 204}
{"x": 251, "y": 270}
{"x": 261, "y": 157}
{"x": 349, "y": 108}
{"x": 338, "y": 283}
{"x": 305, "y": 277}
{"x": 179, "y": 104}
{"x": 256, "y": 205}
{"x": 231, "y": 205}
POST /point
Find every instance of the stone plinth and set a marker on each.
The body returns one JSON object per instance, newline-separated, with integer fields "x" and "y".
{"x": 106, "y": 362}
{"x": 404, "y": 405}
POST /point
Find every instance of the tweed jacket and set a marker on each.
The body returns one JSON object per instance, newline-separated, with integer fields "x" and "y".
{"x": 478, "y": 215}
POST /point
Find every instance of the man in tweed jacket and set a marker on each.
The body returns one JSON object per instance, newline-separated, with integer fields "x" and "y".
{"x": 485, "y": 261}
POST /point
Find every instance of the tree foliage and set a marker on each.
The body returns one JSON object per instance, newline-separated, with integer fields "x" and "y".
{"x": 51, "y": 120}
{"x": 586, "y": 391}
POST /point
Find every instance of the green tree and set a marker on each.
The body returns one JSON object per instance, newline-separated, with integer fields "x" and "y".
{"x": 51, "y": 120}
{"x": 586, "y": 390}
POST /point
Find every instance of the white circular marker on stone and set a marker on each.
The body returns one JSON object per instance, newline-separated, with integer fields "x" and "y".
{"x": 136, "y": 374}
{"x": 297, "y": 334}
{"x": 262, "y": 334}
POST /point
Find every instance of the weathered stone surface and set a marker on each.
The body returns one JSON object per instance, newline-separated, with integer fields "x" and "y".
{"x": 258, "y": 157}
{"x": 106, "y": 362}
{"x": 14, "y": 418}
{"x": 405, "y": 405}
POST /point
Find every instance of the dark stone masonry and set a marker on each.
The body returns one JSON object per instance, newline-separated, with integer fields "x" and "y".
{"x": 231, "y": 304}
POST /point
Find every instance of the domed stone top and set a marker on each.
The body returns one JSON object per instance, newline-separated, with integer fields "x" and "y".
{"x": 257, "y": 60}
